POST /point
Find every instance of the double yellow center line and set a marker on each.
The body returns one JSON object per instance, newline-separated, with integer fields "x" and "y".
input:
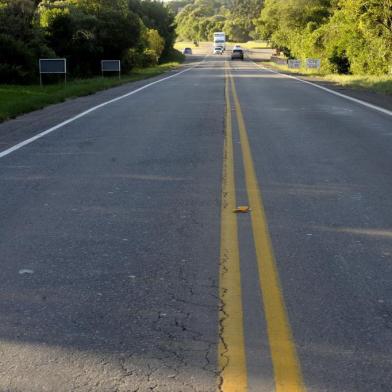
{"x": 231, "y": 346}
{"x": 232, "y": 357}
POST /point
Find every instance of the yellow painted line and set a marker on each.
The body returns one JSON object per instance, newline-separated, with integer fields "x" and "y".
{"x": 287, "y": 371}
{"x": 231, "y": 355}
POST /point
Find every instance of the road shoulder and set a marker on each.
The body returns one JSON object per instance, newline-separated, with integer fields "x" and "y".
{"x": 375, "y": 98}
{"x": 27, "y": 125}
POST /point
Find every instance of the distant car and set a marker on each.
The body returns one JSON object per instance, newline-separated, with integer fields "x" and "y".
{"x": 218, "y": 50}
{"x": 237, "y": 54}
{"x": 237, "y": 46}
{"x": 187, "y": 51}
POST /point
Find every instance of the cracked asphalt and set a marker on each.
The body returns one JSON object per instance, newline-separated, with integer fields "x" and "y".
{"x": 115, "y": 218}
{"x": 114, "y": 277}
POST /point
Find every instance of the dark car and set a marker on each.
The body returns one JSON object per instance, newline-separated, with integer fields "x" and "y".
{"x": 187, "y": 51}
{"x": 237, "y": 54}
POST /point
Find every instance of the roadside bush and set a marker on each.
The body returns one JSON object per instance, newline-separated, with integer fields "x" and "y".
{"x": 150, "y": 58}
{"x": 339, "y": 62}
{"x": 155, "y": 42}
{"x": 133, "y": 58}
{"x": 174, "y": 55}
{"x": 16, "y": 60}
{"x": 156, "y": 15}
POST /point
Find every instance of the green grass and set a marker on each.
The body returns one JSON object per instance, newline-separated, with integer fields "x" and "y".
{"x": 381, "y": 84}
{"x": 181, "y": 45}
{"x": 17, "y": 99}
{"x": 252, "y": 44}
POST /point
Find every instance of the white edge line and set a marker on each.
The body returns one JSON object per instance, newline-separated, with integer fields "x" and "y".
{"x": 92, "y": 109}
{"x": 356, "y": 100}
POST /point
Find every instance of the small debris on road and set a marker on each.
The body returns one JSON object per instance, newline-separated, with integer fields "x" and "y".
{"x": 26, "y": 271}
{"x": 241, "y": 209}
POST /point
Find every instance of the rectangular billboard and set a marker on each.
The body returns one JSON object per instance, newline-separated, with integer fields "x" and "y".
{"x": 54, "y": 66}
{"x": 111, "y": 66}
{"x": 294, "y": 63}
{"x": 313, "y": 63}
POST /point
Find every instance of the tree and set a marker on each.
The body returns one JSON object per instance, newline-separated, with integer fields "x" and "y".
{"x": 87, "y": 31}
{"x": 198, "y": 20}
{"x": 350, "y": 36}
{"x": 240, "y": 24}
{"x": 155, "y": 42}
{"x": 362, "y": 31}
{"x": 83, "y": 31}
{"x": 22, "y": 42}
{"x": 156, "y": 15}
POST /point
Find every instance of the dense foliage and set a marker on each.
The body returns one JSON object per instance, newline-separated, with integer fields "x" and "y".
{"x": 139, "y": 32}
{"x": 198, "y": 19}
{"x": 350, "y": 36}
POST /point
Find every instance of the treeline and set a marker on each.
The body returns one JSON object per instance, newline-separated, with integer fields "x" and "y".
{"x": 350, "y": 36}
{"x": 198, "y": 19}
{"x": 139, "y": 32}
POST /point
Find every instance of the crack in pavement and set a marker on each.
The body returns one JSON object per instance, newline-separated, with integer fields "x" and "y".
{"x": 223, "y": 316}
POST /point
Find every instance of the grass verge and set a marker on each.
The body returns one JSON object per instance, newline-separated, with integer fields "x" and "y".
{"x": 181, "y": 45}
{"x": 17, "y": 99}
{"x": 380, "y": 84}
{"x": 253, "y": 45}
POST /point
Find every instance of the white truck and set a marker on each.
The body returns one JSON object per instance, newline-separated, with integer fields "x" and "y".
{"x": 219, "y": 40}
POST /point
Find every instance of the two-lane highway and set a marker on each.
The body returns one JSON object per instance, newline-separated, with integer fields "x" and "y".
{"x": 124, "y": 267}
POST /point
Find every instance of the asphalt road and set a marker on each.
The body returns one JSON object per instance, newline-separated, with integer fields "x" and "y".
{"x": 124, "y": 267}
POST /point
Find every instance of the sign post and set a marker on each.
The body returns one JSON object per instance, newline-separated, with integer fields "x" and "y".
{"x": 313, "y": 63}
{"x": 52, "y": 66}
{"x": 294, "y": 63}
{"x": 111, "y": 66}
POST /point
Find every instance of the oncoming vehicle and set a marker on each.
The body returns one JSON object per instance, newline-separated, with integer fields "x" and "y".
{"x": 237, "y": 54}
{"x": 218, "y": 50}
{"x": 237, "y": 46}
{"x": 220, "y": 39}
{"x": 187, "y": 51}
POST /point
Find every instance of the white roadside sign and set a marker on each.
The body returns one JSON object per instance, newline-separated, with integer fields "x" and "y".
{"x": 294, "y": 63}
{"x": 313, "y": 63}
